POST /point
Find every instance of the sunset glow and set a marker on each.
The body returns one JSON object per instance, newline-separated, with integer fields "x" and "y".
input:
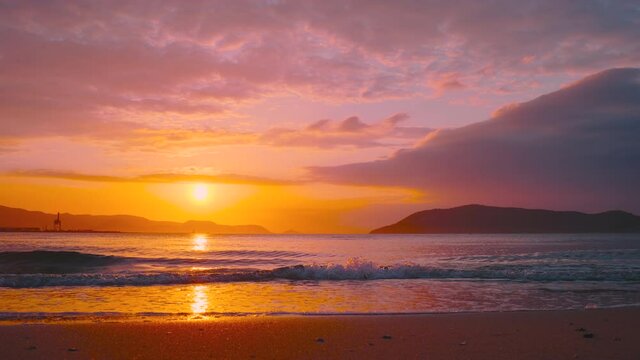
{"x": 290, "y": 115}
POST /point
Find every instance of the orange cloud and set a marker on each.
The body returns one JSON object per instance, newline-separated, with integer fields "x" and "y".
{"x": 153, "y": 178}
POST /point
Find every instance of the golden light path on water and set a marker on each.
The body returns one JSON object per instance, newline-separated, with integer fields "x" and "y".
{"x": 200, "y": 302}
{"x": 200, "y": 242}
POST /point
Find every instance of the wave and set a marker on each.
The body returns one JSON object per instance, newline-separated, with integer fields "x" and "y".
{"x": 100, "y": 316}
{"x": 53, "y": 262}
{"x": 579, "y": 255}
{"x": 70, "y": 262}
{"x": 260, "y": 253}
{"x": 354, "y": 269}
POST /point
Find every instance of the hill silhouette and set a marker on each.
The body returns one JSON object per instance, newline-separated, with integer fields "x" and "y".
{"x": 489, "y": 219}
{"x": 20, "y": 218}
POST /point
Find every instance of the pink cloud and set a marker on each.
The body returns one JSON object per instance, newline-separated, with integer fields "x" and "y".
{"x": 67, "y": 66}
{"x": 446, "y": 82}
{"x": 350, "y": 132}
{"x": 574, "y": 148}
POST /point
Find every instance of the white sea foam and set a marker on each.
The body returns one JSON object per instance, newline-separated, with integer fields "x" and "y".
{"x": 354, "y": 269}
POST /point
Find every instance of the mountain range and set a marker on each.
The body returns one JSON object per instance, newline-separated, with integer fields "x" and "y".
{"x": 467, "y": 219}
{"x": 480, "y": 219}
{"x": 13, "y": 218}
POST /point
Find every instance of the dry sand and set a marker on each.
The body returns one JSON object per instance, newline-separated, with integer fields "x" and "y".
{"x": 587, "y": 334}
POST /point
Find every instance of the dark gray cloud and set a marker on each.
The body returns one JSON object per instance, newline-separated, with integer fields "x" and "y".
{"x": 578, "y": 147}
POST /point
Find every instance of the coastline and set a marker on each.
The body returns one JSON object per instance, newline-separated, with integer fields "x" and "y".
{"x": 554, "y": 334}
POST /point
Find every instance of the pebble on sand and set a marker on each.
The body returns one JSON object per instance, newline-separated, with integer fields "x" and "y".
{"x": 588, "y": 335}
{"x": 387, "y": 337}
{"x": 320, "y": 340}
{"x": 72, "y": 349}
{"x": 463, "y": 343}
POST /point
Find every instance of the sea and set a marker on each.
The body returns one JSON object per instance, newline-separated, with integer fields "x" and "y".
{"x": 46, "y": 275}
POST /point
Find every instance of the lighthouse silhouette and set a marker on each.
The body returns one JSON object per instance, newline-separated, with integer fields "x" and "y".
{"x": 57, "y": 224}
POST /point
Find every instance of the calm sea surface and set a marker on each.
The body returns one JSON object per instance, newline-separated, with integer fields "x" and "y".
{"x": 101, "y": 275}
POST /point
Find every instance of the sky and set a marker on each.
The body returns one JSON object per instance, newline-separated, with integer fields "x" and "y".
{"x": 318, "y": 116}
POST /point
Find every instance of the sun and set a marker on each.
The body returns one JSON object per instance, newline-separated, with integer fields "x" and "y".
{"x": 200, "y": 192}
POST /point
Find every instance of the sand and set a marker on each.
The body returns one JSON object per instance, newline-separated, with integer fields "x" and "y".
{"x": 585, "y": 334}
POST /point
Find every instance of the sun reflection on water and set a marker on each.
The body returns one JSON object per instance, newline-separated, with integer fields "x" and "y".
{"x": 200, "y": 300}
{"x": 200, "y": 242}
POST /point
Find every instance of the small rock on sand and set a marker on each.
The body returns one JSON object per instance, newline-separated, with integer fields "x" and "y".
{"x": 72, "y": 349}
{"x": 387, "y": 337}
{"x": 463, "y": 343}
{"x": 588, "y": 336}
{"x": 320, "y": 340}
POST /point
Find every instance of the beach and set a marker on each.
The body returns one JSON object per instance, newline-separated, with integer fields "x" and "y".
{"x": 570, "y": 334}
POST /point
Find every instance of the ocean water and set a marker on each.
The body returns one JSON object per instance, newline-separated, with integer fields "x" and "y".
{"x": 68, "y": 275}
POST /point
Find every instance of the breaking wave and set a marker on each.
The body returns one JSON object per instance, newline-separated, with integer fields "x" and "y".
{"x": 72, "y": 262}
{"x": 79, "y": 269}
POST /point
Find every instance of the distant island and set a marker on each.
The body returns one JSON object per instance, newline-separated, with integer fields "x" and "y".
{"x": 480, "y": 219}
{"x": 13, "y": 219}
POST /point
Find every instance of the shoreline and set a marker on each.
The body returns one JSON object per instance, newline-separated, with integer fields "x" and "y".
{"x": 8, "y": 319}
{"x": 530, "y": 334}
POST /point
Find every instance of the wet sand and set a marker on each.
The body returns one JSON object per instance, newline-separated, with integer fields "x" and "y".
{"x": 585, "y": 334}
